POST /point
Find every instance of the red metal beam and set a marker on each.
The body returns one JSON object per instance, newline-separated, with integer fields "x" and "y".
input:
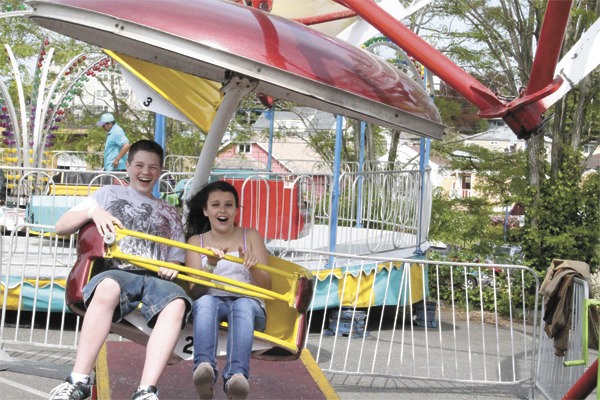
{"x": 436, "y": 62}
{"x": 524, "y": 115}
{"x": 585, "y": 385}
{"x": 319, "y": 19}
{"x": 549, "y": 45}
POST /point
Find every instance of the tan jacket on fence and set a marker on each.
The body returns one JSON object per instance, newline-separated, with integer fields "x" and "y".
{"x": 557, "y": 290}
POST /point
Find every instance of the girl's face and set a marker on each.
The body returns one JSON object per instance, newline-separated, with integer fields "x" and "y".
{"x": 220, "y": 210}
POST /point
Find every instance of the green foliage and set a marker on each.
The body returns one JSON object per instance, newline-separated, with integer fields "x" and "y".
{"x": 507, "y": 292}
{"x": 457, "y": 113}
{"x": 501, "y": 181}
{"x": 568, "y": 215}
{"x": 501, "y": 177}
{"x": 458, "y": 221}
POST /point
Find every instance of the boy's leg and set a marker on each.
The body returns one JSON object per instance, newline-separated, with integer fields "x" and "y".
{"x": 162, "y": 341}
{"x": 96, "y": 325}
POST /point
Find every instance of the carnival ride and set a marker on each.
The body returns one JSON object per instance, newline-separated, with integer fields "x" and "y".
{"x": 241, "y": 49}
{"x": 286, "y": 302}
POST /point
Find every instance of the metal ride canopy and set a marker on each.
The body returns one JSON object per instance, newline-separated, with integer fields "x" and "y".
{"x": 248, "y": 50}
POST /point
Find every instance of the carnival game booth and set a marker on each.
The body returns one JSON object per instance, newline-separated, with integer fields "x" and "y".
{"x": 286, "y": 303}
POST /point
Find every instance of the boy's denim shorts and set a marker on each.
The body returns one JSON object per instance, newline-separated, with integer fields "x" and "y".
{"x": 140, "y": 286}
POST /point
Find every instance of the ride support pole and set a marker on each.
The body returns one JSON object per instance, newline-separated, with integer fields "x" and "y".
{"x": 585, "y": 384}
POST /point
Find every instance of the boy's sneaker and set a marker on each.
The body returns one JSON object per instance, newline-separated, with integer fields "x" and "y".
{"x": 149, "y": 393}
{"x": 237, "y": 387}
{"x": 71, "y": 391}
{"x": 204, "y": 380}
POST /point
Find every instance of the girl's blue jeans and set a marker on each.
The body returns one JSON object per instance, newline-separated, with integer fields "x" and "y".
{"x": 243, "y": 314}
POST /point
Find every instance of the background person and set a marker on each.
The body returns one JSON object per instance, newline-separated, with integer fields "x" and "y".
{"x": 210, "y": 224}
{"x": 116, "y": 146}
{"x": 112, "y": 294}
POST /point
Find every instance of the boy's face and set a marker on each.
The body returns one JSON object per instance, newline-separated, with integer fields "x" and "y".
{"x": 144, "y": 170}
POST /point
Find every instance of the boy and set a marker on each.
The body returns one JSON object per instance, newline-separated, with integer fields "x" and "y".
{"x": 112, "y": 294}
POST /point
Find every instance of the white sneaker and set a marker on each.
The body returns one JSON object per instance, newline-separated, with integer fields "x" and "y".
{"x": 71, "y": 391}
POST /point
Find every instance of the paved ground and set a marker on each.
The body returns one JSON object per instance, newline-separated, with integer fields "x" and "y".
{"x": 31, "y": 373}
{"x": 31, "y": 379}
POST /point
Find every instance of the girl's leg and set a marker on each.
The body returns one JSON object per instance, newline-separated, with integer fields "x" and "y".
{"x": 245, "y": 315}
{"x": 206, "y": 329}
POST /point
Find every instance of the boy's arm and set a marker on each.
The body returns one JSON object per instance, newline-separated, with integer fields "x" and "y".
{"x": 76, "y": 217}
{"x": 88, "y": 210}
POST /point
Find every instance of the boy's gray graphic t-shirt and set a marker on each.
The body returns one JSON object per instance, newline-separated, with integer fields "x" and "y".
{"x": 143, "y": 214}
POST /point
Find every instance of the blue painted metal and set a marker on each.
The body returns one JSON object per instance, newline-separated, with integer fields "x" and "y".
{"x": 270, "y": 114}
{"x": 424, "y": 150}
{"x": 361, "y": 167}
{"x": 335, "y": 191}
{"x": 159, "y": 137}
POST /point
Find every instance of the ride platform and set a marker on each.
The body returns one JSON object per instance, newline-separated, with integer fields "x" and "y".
{"x": 119, "y": 368}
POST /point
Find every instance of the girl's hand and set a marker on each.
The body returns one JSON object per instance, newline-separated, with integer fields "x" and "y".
{"x": 250, "y": 260}
{"x": 218, "y": 255}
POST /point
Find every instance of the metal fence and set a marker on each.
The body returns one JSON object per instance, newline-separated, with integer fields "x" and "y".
{"x": 362, "y": 213}
{"x": 433, "y": 320}
{"x": 370, "y": 315}
{"x": 553, "y": 378}
{"x": 33, "y": 269}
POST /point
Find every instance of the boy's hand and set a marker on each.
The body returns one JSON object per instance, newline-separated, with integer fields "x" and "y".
{"x": 167, "y": 273}
{"x": 105, "y": 222}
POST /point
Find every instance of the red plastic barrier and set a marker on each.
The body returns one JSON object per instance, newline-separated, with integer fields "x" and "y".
{"x": 270, "y": 206}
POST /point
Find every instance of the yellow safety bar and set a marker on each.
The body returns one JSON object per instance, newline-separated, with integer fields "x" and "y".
{"x": 286, "y": 302}
{"x": 191, "y": 274}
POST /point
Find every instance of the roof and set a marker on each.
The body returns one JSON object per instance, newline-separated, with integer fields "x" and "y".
{"x": 593, "y": 162}
{"x": 500, "y": 134}
{"x": 315, "y": 120}
{"x": 293, "y": 152}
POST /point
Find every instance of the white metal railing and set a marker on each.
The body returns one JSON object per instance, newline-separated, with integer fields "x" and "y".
{"x": 370, "y": 315}
{"x": 33, "y": 269}
{"x": 377, "y": 211}
{"x": 462, "y": 322}
{"x": 76, "y": 160}
{"x": 179, "y": 163}
{"x": 553, "y": 378}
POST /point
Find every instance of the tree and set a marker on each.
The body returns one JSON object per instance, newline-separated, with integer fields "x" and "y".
{"x": 500, "y": 176}
{"x": 462, "y": 222}
{"x": 496, "y": 45}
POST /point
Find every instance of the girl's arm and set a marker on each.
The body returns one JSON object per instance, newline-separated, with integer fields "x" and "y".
{"x": 194, "y": 260}
{"x": 257, "y": 253}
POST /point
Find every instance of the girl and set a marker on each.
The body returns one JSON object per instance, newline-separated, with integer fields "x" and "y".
{"x": 210, "y": 224}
